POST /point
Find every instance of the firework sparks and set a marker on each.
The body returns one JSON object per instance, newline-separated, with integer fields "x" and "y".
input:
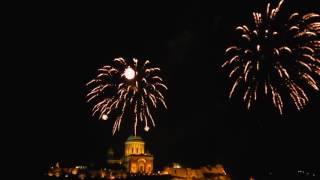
{"x": 127, "y": 87}
{"x": 281, "y": 57}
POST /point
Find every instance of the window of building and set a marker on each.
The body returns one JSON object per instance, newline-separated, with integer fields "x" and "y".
{"x": 141, "y": 169}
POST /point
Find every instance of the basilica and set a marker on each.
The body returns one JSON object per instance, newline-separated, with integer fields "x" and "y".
{"x": 135, "y": 159}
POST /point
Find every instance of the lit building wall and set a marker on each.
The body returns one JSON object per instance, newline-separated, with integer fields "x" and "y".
{"x": 184, "y": 172}
{"x": 217, "y": 169}
{"x": 135, "y": 159}
{"x": 134, "y": 147}
{"x": 140, "y": 164}
{"x": 207, "y": 172}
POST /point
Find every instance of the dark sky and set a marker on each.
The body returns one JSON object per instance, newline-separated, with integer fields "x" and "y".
{"x": 65, "y": 45}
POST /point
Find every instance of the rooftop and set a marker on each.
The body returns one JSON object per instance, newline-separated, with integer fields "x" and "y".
{"x": 134, "y": 138}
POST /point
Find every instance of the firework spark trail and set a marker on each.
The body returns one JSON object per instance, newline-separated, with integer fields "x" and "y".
{"x": 283, "y": 56}
{"x": 127, "y": 87}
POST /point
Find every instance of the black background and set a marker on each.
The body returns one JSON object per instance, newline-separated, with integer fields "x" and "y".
{"x": 62, "y": 45}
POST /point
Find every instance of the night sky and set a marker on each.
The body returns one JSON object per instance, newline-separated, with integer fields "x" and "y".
{"x": 65, "y": 45}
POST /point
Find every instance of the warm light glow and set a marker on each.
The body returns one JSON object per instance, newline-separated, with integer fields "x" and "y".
{"x": 176, "y": 165}
{"x": 104, "y": 117}
{"x": 129, "y": 73}
{"x": 74, "y": 171}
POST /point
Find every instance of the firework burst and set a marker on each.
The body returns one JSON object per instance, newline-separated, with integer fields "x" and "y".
{"x": 277, "y": 58}
{"x": 127, "y": 87}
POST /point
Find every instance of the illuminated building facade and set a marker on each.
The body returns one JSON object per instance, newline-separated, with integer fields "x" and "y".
{"x": 136, "y": 160}
{"x": 205, "y": 172}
